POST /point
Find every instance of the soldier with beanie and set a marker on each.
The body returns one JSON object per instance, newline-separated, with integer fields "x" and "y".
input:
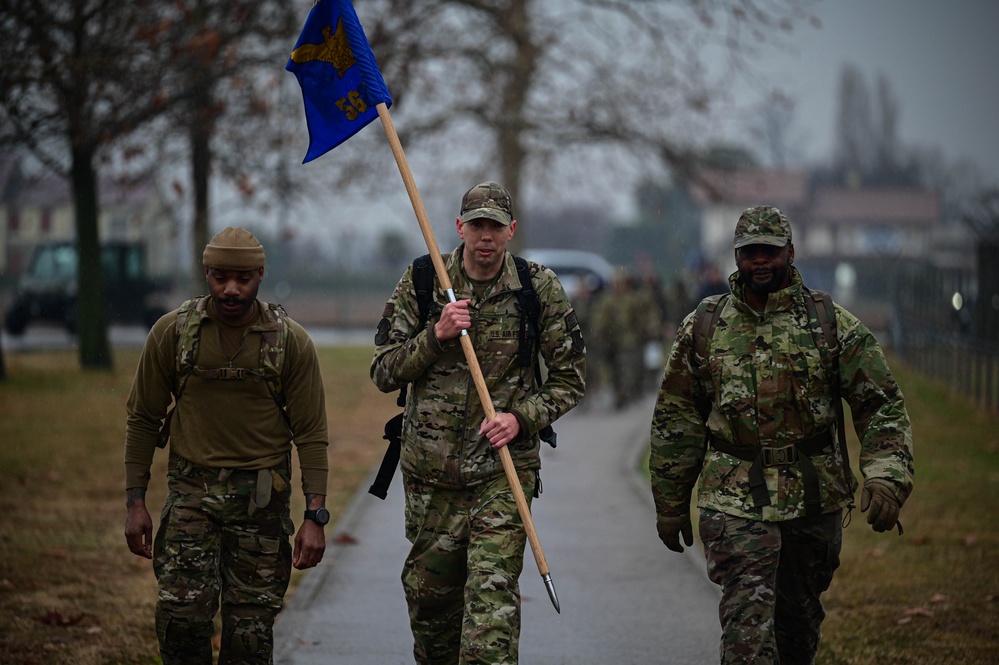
{"x": 750, "y": 406}
{"x": 461, "y": 574}
{"x": 228, "y": 382}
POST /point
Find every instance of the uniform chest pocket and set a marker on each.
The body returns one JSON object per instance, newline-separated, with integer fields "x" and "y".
{"x": 733, "y": 383}
{"x": 808, "y": 378}
{"x": 497, "y": 332}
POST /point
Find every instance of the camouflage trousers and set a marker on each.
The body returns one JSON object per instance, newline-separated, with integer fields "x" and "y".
{"x": 209, "y": 549}
{"x": 461, "y": 575}
{"x": 771, "y": 575}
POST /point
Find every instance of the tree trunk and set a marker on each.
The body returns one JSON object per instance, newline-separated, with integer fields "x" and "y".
{"x": 200, "y": 136}
{"x": 511, "y": 122}
{"x": 91, "y": 309}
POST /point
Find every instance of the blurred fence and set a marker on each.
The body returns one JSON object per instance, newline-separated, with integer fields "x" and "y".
{"x": 967, "y": 365}
{"x": 937, "y": 330}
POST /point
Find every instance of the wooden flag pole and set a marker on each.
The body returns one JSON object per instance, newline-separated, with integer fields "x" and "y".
{"x": 466, "y": 345}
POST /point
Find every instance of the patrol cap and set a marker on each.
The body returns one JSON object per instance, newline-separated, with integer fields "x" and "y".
{"x": 487, "y": 200}
{"x": 762, "y": 225}
{"x": 234, "y": 248}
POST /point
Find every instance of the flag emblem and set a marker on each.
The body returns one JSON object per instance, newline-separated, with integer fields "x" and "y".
{"x": 335, "y": 49}
{"x": 340, "y": 80}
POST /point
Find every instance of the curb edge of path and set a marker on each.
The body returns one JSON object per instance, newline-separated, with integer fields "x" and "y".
{"x": 639, "y": 445}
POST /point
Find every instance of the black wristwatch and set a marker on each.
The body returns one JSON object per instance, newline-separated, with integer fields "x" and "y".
{"x": 320, "y": 516}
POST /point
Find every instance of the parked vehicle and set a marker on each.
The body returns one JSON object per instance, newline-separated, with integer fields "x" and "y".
{"x": 575, "y": 268}
{"x": 48, "y": 290}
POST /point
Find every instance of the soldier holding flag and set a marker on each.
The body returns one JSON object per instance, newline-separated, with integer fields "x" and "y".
{"x": 467, "y": 522}
{"x": 461, "y": 575}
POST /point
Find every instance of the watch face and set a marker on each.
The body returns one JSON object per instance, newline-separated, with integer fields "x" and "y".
{"x": 320, "y": 516}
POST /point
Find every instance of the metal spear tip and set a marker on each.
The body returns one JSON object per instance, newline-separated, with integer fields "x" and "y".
{"x": 547, "y": 577}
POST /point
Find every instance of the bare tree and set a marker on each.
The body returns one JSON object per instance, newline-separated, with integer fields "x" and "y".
{"x": 854, "y": 150}
{"x": 227, "y": 56}
{"x": 74, "y": 75}
{"x": 532, "y": 93}
{"x": 868, "y": 149}
{"x": 81, "y": 76}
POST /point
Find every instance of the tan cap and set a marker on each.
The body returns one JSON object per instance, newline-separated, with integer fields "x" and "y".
{"x": 234, "y": 249}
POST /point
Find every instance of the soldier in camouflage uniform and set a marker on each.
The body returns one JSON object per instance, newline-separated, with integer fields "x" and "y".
{"x": 245, "y": 382}
{"x": 755, "y": 421}
{"x": 621, "y": 324}
{"x": 461, "y": 575}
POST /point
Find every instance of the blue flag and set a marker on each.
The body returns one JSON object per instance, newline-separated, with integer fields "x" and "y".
{"x": 340, "y": 79}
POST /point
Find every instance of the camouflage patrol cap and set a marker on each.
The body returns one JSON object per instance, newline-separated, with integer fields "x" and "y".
{"x": 487, "y": 200}
{"x": 234, "y": 248}
{"x": 762, "y": 225}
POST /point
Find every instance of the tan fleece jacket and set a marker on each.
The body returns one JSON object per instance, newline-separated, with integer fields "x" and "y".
{"x": 233, "y": 424}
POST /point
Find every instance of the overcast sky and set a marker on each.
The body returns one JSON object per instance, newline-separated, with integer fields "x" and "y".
{"x": 940, "y": 57}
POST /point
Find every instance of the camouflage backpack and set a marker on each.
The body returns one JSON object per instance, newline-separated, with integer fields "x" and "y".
{"x": 273, "y": 342}
{"x": 822, "y": 325}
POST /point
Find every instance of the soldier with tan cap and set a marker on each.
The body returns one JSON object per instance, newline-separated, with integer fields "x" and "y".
{"x": 243, "y": 379}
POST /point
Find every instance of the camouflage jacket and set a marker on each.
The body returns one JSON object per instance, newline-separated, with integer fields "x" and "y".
{"x": 440, "y": 441}
{"x": 767, "y": 385}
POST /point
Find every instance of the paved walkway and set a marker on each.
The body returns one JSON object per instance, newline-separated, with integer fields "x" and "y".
{"x": 625, "y": 598}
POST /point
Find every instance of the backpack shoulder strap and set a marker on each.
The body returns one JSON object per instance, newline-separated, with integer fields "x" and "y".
{"x": 706, "y": 318}
{"x": 273, "y": 344}
{"x": 530, "y": 312}
{"x": 187, "y": 331}
{"x": 530, "y": 315}
{"x": 822, "y": 319}
{"x": 822, "y": 315}
{"x": 423, "y": 284}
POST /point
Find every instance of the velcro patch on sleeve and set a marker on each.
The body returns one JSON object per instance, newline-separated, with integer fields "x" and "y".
{"x": 382, "y": 335}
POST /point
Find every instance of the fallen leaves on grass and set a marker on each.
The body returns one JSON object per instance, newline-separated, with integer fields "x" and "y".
{"x": 57, "y": 618}
{"x": 908, "y": 615}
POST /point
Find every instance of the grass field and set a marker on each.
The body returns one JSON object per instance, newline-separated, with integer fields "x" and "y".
{"x": 70, "y": 592}
{"x": 932, "y": 595}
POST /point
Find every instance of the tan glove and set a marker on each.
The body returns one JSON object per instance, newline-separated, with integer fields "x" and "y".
{"x": 671, "y": 527}
{"x": 879, "y": 496}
